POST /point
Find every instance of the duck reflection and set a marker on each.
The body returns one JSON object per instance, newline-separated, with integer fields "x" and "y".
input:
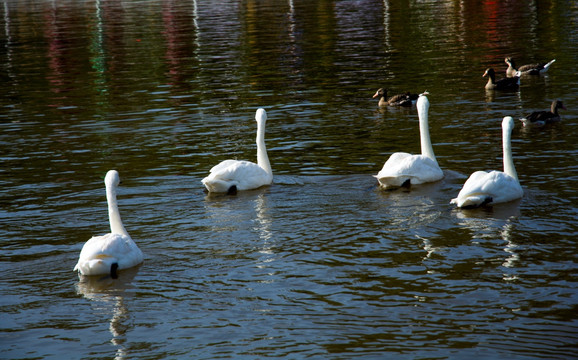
{"x": 110, "y": 295}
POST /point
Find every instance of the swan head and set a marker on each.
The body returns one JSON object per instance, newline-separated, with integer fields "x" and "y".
{"x": 261, "y": 115}
{"x": 423, "y": 102}
{"x": 112, "y": 178}
{"x": 508, "y": 123}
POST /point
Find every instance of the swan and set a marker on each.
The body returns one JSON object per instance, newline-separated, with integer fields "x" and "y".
{"x": 232, "y": 175}
{"x": 495, "y": 186}
{"x": 403, "y": 169}
{"x": 106, "y": 254}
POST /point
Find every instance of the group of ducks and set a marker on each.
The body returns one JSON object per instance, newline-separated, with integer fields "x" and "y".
{"x": 105, "y": 255}
{"x": 510, "y": 82}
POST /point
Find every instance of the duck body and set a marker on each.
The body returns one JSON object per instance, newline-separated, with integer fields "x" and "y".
{"x": 404, "y": 169}
{"x": 230, "y": 176}
{"x": 530, "y": 69}
{"x": 493, "y": 187}
{"x": 540, "y": 118}
{"x": 512, "y": 83}
{"x": 106, "y": 254}
{"x": 406, "y": 99}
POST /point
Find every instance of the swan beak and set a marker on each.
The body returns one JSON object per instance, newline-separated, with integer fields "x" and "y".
{"x": 485, "y": 73}
{"x": 376, "y": 94}
{"x": 424, "y": 93}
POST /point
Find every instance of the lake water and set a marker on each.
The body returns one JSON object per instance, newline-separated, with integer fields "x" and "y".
{"x": 322, "y": 264}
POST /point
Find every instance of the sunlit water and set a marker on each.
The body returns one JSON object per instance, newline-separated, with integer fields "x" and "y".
{"x": 322, "y": 264}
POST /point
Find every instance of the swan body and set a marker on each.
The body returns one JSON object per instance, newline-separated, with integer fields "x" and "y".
{"x": 493, "y": 187}
{"x": 406, "y": 99}
{"x": 540, "y": 118}
{"x": 106, "y": 254}
{"x": 232, "y": 175}
{"x": 509, "y": 83}
{"x": 403, "y": 169}
{"x": 530, "y": 69}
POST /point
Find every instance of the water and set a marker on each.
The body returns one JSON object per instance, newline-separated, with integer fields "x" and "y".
{"x": 322, "y": 264}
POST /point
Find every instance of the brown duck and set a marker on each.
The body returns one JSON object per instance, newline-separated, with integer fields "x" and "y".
{"x": 406, "y": 99}
{"x": 539, "y": 118}
{"x": 530, "y": 69}
{"x": 512, "y": 83}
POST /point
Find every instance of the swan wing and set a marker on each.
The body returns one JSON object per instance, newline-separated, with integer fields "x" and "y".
{"x": 223, "y": 165}
{"x": 100, "y": 252}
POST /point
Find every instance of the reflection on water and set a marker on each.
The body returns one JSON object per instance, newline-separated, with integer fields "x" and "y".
{"x": 109, "y": 297}
{"x": 322, "y": 263}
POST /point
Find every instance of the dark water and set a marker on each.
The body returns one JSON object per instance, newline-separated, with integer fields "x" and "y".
{"x": 322, "y": 264}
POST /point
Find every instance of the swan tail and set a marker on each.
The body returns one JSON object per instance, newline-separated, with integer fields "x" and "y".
{"x": 472, "y": 201}
{"x": 216, "y": 185}
{"x": 95, "y": 267}
{"x": 392, "y": 182}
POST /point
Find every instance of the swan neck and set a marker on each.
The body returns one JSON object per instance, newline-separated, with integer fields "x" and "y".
{"x": 116, "y": 226}
{"x": 262, "y": 158}
{"x": 509, "y": 168}
{"x": 425, "y": 140}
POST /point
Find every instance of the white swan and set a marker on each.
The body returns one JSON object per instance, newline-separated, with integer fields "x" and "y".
{"x": 403, "y": 169}
{"x": 111, "y": 252}
{"x": 493, "y": 187}
{"x": 232, "y": 175}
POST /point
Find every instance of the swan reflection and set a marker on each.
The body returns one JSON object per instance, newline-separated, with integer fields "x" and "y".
{"x": 263, "y": 224}
{"x": 109, "y": 295}
{"x": 492, "y": 223}
{"x": 511, "y": 249}
{"x": 228, "y": 212}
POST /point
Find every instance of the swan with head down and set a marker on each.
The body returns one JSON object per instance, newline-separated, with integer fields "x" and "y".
{"x": 403, "y": 169}
{"x": 231, "y": 176}
{"x": 106, "y": 254}
{"x": 493, "y": 187}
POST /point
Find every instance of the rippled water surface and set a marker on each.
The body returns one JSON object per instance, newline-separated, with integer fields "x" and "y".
{"x": 322, "y": 264}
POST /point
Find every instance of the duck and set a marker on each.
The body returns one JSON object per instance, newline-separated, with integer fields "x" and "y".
{"x": 493, "y": 187}
{"x": 107, "y": 254}
{"x": 540, "y": 118}
{"x": 230, "y": 176}
{"x": 405, "y": 99}
{"x": 530, "y": 69}
{"x": 512, "y": 83}
{"x": 403, "y": 169}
